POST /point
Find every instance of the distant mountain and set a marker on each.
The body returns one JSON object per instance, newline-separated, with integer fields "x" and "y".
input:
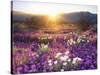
{"x": 76, "y": 17}
{"x": 20, "y": 16}
{"x": 27, "y": 21}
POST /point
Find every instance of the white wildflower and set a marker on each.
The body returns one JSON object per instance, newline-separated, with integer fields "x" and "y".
{"x": 55, "y": 62}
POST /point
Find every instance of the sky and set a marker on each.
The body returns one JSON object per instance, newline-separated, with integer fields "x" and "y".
{"x": 50, "y": 8}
